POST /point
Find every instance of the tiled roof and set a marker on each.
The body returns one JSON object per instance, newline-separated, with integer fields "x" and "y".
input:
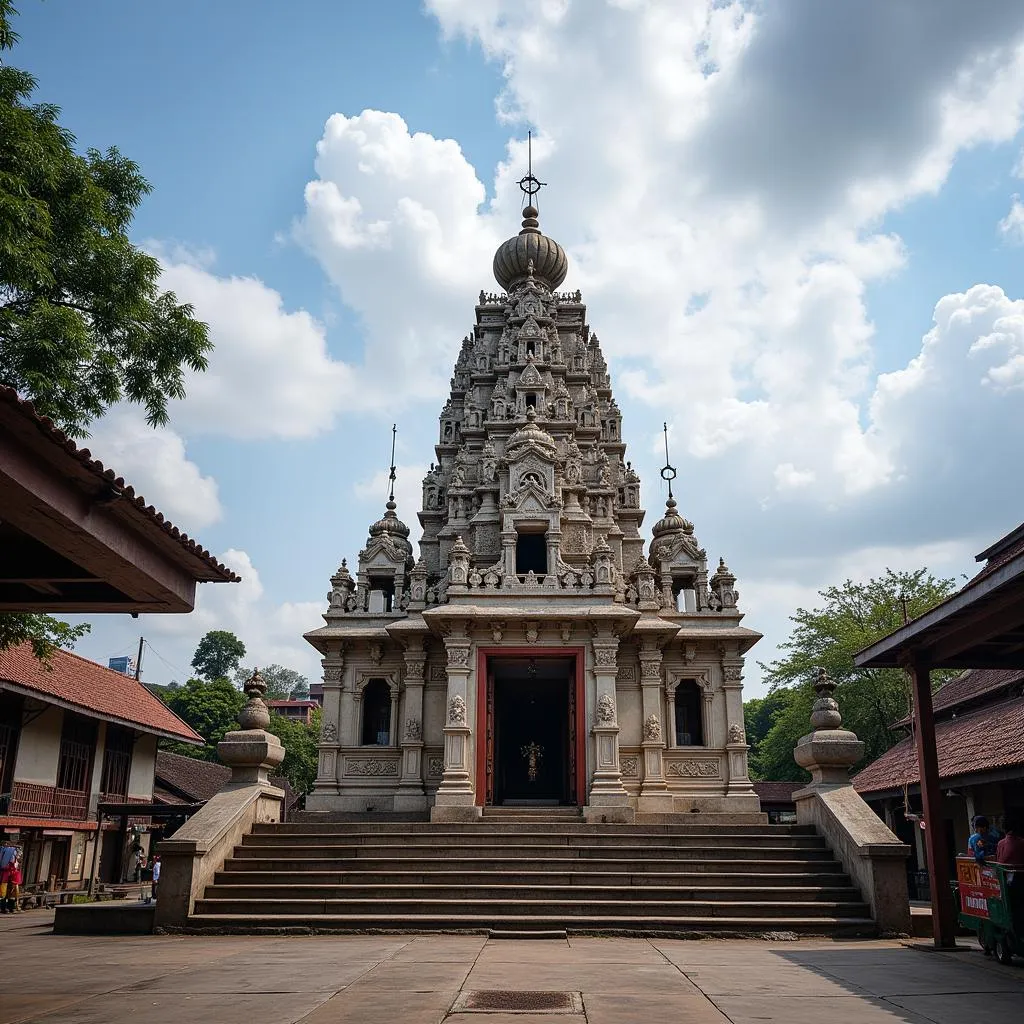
{"x": 194, "y": 779}
{"x": 178, "y": 776}
{"x": 1001, "y": 552}
{"x": 146, "y": 512}
{"x": 292, "y": 704}
{"x": 979, "y": 741}
{"x": 777, "y": 792}
{"x": 93, "y": 689}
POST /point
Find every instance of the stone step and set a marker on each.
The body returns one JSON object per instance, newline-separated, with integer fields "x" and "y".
{"x": 236, "y": 889}
{"x": 565, "y": 909}
{"x": 515, "y": 826}
{"x": 511, "y": 852}
{"x": 531, "y": 838}
{"x": 237, "y": 873}
{"x": 595, "y": 924}
{"x": 290, "y": 863}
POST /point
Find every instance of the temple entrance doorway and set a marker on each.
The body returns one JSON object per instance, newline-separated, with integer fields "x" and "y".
{"x": 531, "y": 731}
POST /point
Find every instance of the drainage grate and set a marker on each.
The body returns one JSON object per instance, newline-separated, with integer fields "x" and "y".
{"x": 508, "y": 1001}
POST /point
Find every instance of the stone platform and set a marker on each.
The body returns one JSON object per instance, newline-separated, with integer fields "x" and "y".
{"x": 430, "y": 979}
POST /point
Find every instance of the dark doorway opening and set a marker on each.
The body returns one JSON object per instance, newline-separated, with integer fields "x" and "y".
{"x": 531, "y": 554}
{"x": 533, "y": 711}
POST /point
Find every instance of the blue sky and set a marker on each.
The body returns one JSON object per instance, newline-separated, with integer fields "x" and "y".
{"x": 841, "y": 174}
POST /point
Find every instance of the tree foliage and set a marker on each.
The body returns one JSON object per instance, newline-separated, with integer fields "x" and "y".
{"x": 282, "y": 683}
{"x": 300, "y": 741}
{"x": 45, "y": 633}
{"x": 852, "y": 616}
{"x": 218, "y": 654}
{"x": 759, "y": 715}
{"x": 83, "y": 323}
{"x": 211, "y": 707}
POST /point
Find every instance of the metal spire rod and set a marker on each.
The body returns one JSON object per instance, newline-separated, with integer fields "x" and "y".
{"x": 530, "y": 185}
{"x": 668, "y": 473}
{"x": 391, "y": 476}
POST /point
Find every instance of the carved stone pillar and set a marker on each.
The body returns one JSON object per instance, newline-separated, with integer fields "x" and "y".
{"x": 455, "y": 799}
{"x": 412, "y": 795}
{"x": 654, "y": 794}
{"x": 608, "y": 799}
{"x": 330, "y": 728}
{"x": 736, "y": 742}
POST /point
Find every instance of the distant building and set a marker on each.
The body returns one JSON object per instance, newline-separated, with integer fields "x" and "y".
{"x": 124, "y": 665}
{"x": 297, "y": 710}
{"x": 73, "y": 734}
{"x": 777, "y": 800}
{"x": 316, "y": 692}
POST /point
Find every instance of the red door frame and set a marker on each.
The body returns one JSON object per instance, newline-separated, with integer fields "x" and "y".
{"x": 577, "y": 653}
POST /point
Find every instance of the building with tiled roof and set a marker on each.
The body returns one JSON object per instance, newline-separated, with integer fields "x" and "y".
{"x": 188, "y": 780}
{"x": 73, "y": 734}
{"x": 297, "y": 710}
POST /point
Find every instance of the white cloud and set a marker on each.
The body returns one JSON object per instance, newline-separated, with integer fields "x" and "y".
{"x": 155, "y": 464}
{"x": 270, "y": 373}
{"x": 373, "y": 493}
{"x": 1011, "y": 227}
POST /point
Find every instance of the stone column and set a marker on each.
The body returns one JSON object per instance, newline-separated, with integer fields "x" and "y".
{"x": 608, "y": 799}
{"x": 330, "y": 727}
{"x": 455, "y": 799}
{"x": 670, "y": 717}
{"x": 654, "y": 794}
{"x": 411, "y": 795}
{"x": 735, "y": 738}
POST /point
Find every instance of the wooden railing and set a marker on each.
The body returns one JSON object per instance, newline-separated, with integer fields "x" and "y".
{"x": 33, "y": 801}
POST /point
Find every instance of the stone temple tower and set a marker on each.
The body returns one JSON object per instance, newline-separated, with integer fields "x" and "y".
{"x": 533, "y": 654}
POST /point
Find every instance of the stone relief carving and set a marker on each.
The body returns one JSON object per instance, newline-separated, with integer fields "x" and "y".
{"x": 370, "y": 767}
{"x": 732, "y": 673}
{"x": 735, "y": 733}
{"x": 531, "y": 630}
{"x": 693, "y": 769}
{"x": 458, "y": 657}
{"x": 438, "y": 673}
{"x": 650, "y": 668}
{"x": 606, "y": 709}
{"x": 435, "y": 766}
{"x": 376, "y": 652}
{"x": 328, "y": 732}
{"x": 498, "y": 630}
{"x": 630, "y": 767}
{"x": 565, "y": 631}
{"x": 456, "y": 711}
{"x": 605, "y": 657}
{"x": 652, "y": 728}
{"x": 413, "y": 729}
{"x": 627, "y": 674}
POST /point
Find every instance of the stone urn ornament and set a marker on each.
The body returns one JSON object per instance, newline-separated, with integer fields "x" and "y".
{"x": 830, "y": 751}
{"x": 251, "y": 752}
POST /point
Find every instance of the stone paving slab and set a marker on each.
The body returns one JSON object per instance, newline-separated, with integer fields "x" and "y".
{"x": 415, "y": 979}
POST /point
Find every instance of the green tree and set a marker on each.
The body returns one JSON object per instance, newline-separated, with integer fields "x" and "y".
{"x": 282, "y": 682}
{"x": 218, "y": 654}
{"x": 300, "y": 741}
{"x": 211, "y": 707}
{"x": 759, "y": 715}
{"x": 853, "y": 616}
{"x": 83, "y": 323}
{"x": 43, "y": 632}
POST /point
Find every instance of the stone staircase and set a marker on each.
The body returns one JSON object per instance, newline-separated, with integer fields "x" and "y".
{"x": 532, "y": 871}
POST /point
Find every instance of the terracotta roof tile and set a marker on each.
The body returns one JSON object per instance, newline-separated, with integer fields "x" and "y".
{"x": 147, "y": 512}
{"x": 93, "y": 689}
{"x": 980, "y": 741}
{"x": 777, "y": 792}
{"x": 197, "y": 780}
{"x": 968, "y": 687}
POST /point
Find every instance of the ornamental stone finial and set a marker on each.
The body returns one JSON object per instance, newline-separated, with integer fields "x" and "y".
{"x": 255, "y": 714}
{"x": 251, "y": 752}
{"x": 829, "y": 752}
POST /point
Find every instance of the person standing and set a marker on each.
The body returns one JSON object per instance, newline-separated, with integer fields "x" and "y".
{"x": 8, "y": 856}
{"x": 14, "y": 884}
{"x": 156, "y": 874}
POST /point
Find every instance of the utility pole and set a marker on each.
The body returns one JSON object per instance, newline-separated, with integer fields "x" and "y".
{"x": 138, "y": 659}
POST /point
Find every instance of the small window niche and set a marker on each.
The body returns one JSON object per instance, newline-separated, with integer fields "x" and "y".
{"x": 689, "y": 716}
{"x": 531, "y": 348}
{"x": 376, "y": 714}
{"x": 531, "y": 401}
{"x": 685, "y": 594}
{"x": 382, "y": 594}
{"x": 532, "y": 553}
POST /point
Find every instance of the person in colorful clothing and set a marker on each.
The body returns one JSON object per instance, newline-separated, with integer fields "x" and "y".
{"x": 8, "y": 865}
{"x": 984, "y": 840}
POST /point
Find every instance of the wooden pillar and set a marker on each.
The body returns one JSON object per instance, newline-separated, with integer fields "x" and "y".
{"x": 943, "y": 917}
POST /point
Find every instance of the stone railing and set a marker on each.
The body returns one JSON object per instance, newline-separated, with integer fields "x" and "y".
{"x": 873, "y": 857}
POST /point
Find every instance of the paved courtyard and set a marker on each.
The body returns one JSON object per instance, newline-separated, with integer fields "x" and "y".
{"x": 374, "y": 979}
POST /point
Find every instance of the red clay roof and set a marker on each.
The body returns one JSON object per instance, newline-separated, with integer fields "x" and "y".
{"x": 93, "y": 689}
{"x": 292, "y": 704}
{"x": 968, "y": 687}
{"x": 147, "y": 513}
{"x": 979, "y": 741}
{"x": 1001, "y": 552}
{"x": 178, "y": 776}
{"x": 777, "y": 792}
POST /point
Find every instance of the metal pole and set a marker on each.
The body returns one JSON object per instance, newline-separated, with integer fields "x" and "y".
{"x": 138, "y": 660}
{"x": 943, "y": 918}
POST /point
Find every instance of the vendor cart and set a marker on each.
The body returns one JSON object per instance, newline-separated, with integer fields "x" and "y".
{"x": 992, "y": 904}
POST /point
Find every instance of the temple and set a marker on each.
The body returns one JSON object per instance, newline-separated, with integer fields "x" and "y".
{"x": 533, "y": 654}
